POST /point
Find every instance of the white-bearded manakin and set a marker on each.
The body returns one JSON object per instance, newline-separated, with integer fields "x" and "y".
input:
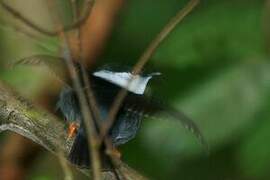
{"x": 106, "y": 84}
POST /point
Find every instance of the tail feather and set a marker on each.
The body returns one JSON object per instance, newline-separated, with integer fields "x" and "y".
{"x": 79, "y": 154}
{"x": 151, "y": 107}
{"x": 189, "y": 124}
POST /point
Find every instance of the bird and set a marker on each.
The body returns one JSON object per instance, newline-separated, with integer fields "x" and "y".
{"x": 106, "y": 82}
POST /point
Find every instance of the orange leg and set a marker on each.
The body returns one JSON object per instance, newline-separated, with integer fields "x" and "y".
{"x": 114, "y": 152}
{"x": 72, "y": 129}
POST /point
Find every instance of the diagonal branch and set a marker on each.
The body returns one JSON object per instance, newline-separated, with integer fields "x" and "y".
{"x": 143, "y": 60}
{"x": 81, "y": 20}
{"x": 20, "y": 116}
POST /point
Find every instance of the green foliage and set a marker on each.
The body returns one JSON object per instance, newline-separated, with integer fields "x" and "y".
{"x": 215, "y": 70}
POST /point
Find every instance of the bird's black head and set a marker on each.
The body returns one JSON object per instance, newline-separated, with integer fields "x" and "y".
{"x": 68, "y": 105}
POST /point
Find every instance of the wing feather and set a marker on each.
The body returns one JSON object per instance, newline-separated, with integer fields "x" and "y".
{"x": 150, "y": 107}
{"x": 55, "y": 65}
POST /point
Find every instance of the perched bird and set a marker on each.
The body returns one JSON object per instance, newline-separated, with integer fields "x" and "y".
{"x": 106, "y": 83}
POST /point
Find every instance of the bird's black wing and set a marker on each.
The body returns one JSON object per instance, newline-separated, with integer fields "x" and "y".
{"x": 55, "y": 65}
{"x": 151, "y": 107}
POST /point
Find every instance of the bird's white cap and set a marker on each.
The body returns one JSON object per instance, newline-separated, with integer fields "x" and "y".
{"x": 133, "y": 83}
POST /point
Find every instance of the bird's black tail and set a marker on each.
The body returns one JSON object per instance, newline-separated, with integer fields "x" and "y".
{"x": 79, "y": 154}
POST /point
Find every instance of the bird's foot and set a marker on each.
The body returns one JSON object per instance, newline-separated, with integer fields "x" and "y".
{"x": 72, "y": 129}
{"x": 114, "y": 153}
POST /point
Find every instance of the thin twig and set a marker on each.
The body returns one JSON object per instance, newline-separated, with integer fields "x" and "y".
{"x": 21, "y": 116}
{"x": 143, "y": 60}
{"x": 93, "y": 103}
{"x": 63, "y": 162}
{"x": 97, "y": 116}
{"x": 164, "y": 34}
{"x": 66, "y": 169}
{"x": 86, "y": 81}
{"x": 42, "y": 30}
{"x": 87, "y": 117}
{"x": 90, "y": 95}
{"x": 12, "y": 27}
{"x": 74, "y": 8}
{"x": 16, "y": 28}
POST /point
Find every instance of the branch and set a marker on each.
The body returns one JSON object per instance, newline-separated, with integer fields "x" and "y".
{"x": 143, "y": 60}
{"x": 20, "y": 116}
{"x": 41, "y": 30}
{"x": 88, "y": 121}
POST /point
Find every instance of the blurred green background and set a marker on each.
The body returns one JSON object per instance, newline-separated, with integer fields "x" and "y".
{"x": 215, "y": 68}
